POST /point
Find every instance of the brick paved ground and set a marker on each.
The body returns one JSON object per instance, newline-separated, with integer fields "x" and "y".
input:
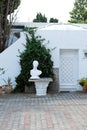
{"x": 64, "y": 111}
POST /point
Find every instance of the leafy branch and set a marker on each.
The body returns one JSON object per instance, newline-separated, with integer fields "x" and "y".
{"x": 2, "y": 71}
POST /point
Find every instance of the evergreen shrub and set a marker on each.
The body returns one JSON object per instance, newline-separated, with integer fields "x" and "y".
{"x": 34, "y": 50}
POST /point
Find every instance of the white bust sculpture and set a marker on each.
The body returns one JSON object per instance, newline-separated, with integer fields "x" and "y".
{"x": 35, "y": 72}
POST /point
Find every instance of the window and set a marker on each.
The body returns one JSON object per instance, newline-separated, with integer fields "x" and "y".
{"x": 85, "y": 54}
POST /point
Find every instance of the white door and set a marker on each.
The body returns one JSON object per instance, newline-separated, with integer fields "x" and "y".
{"x": 68, "y": 70}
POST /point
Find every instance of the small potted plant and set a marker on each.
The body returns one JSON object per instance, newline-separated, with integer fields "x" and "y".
{"x": 2, "y": 71}
{"x": 83, "y": 83}
{"x": 0, "y": 90}
{"x": 8, "y": 85}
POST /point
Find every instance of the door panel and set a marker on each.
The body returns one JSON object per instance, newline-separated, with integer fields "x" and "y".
{"x": 68, "y": 70}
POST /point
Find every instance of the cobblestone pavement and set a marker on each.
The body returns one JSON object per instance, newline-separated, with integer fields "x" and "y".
{"x": 63, "y": 111}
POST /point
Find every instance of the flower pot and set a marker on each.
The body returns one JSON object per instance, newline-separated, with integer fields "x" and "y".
{"x": 85, "y": 89}
{"x": 0, "y": 90}
{"x": 8, "y": 88}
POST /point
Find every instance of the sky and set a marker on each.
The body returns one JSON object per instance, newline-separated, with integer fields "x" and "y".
{"x": 51, "y": 8}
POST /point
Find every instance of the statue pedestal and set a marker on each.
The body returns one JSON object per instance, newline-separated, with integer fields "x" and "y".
{"x": 41, "y": 85}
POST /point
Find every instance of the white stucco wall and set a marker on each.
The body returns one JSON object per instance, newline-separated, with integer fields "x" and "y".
{"x": 61, "y": 39}
{"x": 67, "y": 39}
{"x": 9, "y": 60}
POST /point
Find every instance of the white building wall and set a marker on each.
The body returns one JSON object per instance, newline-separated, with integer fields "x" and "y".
{"x": 58, "y": 39}
{"x": 9, "y": 60}
{"x": 67, "y": 40}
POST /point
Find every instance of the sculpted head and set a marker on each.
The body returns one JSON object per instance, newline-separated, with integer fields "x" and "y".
{"x": 35, "y": 72}
{"x": 35, "y": 63}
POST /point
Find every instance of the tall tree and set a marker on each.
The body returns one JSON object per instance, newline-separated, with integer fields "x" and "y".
{"x": 7, "y": 7}
{"x": 40, "y": 18}
{"x": 79, "y": 12}
{"x": 53, "y": 20}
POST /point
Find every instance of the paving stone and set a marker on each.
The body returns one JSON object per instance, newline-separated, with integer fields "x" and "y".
{"x": 63, "y": 111}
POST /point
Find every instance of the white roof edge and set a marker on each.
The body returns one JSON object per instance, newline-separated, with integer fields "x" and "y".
{"x": 69, "y": 26}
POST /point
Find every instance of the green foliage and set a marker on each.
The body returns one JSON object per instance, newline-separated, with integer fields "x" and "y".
{"x": 40, "y": 18}
{"x": 20, "y": 83}
{"x": 83, "y": 82}
{"x": 79, "y": 12}
{"x": 8, "y": 81}
{"x": 14, "y": 4}
{"x": 34, "y": 50}
{"x": 0, "y": 6}
{"x": 2, "y": 71}
{"x": 7, "y": 7}
{"x": 53, "y": 20}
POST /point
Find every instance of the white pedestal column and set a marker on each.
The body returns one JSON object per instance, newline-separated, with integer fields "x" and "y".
{"x": 41, "y": 85}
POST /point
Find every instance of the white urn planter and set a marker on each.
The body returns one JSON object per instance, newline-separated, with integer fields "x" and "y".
{"x": 41, "y": 85}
